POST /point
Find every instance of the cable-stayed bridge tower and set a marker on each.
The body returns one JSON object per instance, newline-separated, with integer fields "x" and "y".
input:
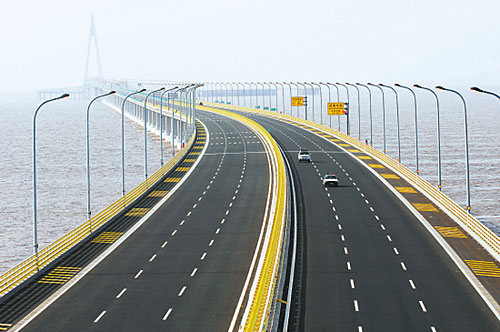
{"x": 92, "y": 79}
{"x": 93, "y": 41}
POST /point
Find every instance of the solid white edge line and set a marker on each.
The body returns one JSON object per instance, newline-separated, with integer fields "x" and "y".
{"x": 45, "y": 304}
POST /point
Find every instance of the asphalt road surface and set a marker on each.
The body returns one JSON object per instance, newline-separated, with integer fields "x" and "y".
{"x": 183, "y": 269}
{"x": 368, "y": 263}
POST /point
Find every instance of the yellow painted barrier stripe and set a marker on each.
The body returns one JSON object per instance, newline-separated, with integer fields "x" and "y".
{"x": 408, "y": 190}
{"x": 450, "y": 232}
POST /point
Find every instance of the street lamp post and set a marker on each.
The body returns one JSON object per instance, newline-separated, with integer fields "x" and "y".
{"x": 291, "y": 108}
{"x": 359, "y": 111}
{"x": 438, "y": 132}
{"x": 383, "y": 113}
{"x": 320, "y": 102}
{"x": 254, "y": 104}
{"x": 305, "y": 95}
{"x": 35, "y": 235}
{"x": 475, "y": 88}
{"x": 338, "y": 98}
{"x": 263, "y": 100}
{"x": 145, "y": 114}
{"x": 88, "y": 155}
{"x": 275, "y": 94}
{"x": 244, "y": 94}
{"x": 312, "y": 91}
{"x": 371, "y": 117}
{"x": 416, "y": 122}
{"x": 348, "y": 108}
{"x": 161, "y": 123}
{"x": 397, "y": 116}
{"x": 269, "y": 93}
{"x": 466, "y": 142}
{"x": 282, "y": 97}
{"x": 123, "y": 137}
{"x": 329, "y": 100}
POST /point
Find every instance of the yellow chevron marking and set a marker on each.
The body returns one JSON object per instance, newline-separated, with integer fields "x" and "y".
{"x": 197, "y": 148}
{"x": 376, "y": 166}
{"x": 59, "y": 275}
{"x": 172, "y": 180}
{"x": 194, "y": 153}
{"x": 389, "y": 176}
{"x": 408, "y": 190}
{"x": 335, "y": 140}
{"x": 158, "y": 193}
{"x": 353, "y": 150}
{"x": 189, "y": 160}
{"x": 344, "y": 144}
{"x": 450, "y": 232}
{"x": 182, "y": 169}
{"x": 107, "y": 237}
{"x": 425, "y": 207}
{"x": 365, "y": 157}
{"x": 137, "y": 212}
{"x": 484, "y": 268}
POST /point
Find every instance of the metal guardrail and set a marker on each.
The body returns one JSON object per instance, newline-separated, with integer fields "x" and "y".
{"x": 15, "y": 276}
{"x": 487, "y": 238}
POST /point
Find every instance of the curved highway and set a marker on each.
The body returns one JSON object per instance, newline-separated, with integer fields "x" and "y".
{"x": 184, "y": 269}
{"x": 365, "y": 263}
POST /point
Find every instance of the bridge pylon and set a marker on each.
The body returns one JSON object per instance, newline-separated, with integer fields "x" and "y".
{"x": 93, "y": 41}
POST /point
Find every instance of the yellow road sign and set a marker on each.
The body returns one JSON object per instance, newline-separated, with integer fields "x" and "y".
{"x": 297, "y": 101}
{"x": 336, "y": 108}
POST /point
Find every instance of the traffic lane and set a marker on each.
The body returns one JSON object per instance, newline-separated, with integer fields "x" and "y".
{"x": 425, "y": 263}
{"x": 123, "y": 264}
{"x": 324, "y": 209}
{"x": 199, "y": 221}
{"x": 225, "y": 267}
{"x": 104, "y": 287}
{"x": 426, "y": 259}
{"x": 328, "y": 303}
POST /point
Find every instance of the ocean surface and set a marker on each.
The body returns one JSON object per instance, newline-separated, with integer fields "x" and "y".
{"x": 61, "y": 170}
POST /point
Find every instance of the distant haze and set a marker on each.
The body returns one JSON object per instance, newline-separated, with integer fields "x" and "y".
{"x": 454, "y": 42}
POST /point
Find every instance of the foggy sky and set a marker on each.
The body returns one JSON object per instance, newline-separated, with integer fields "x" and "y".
{"x": 449, "y": 42}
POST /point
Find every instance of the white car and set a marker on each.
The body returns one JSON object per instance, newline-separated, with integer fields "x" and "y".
{"x": 304, "y": 155}
{"x": 330, "y": 179}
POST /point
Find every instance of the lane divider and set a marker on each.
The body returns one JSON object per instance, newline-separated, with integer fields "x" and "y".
{"x": 259, "y": 301}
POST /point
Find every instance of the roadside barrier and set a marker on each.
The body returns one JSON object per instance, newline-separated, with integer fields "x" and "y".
{"x": 15, "y": 276}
